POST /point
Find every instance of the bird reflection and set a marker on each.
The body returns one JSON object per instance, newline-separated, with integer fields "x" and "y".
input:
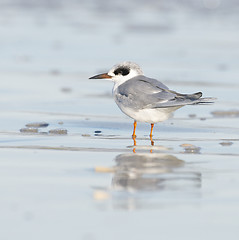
{"x": 152, "y": 172}
{"x": 148, "y": 180}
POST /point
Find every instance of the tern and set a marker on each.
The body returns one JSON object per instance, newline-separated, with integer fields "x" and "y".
{"x": 146, "y": 99}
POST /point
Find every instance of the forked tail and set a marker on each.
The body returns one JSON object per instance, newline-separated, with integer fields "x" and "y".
{"x": 208, "y": 100}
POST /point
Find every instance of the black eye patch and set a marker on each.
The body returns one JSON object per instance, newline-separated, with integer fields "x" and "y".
{"x": 122, "y": 71}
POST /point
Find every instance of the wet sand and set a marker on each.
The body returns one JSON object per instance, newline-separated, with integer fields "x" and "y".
{"x": 69, "y": 169}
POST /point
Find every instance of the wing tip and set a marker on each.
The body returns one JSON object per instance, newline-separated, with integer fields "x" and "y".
{"x": 209, "y": 100}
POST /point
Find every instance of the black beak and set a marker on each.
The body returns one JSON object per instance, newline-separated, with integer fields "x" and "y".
{"x": 101, "y": 76}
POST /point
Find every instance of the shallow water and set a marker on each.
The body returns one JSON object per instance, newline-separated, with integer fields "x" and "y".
{"x": 80, "y": 177}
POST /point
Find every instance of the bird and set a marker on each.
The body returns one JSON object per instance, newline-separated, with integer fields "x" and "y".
{"x": 146, "y": 99}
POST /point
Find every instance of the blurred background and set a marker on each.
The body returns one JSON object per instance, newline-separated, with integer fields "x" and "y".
{"x": 180, "y": 42}
{"x": 83, "y": 36}
{"x": 50, "y": 48}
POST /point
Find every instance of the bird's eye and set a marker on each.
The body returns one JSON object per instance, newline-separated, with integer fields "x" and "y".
{"x": 122, "y": 71}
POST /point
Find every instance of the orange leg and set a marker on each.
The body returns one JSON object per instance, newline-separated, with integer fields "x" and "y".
{"x": 151, "y": 134}
{"x": 133, "y": 135}
{"x": 135, "y": 124}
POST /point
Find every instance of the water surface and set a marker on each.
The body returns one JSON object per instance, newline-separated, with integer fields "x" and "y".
{"x": 80, "y": 177}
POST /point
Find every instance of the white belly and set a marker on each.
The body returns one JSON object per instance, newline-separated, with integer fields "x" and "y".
{"x": 149, "y": 115}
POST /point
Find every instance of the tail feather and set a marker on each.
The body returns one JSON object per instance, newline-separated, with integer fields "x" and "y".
{"x": 208, "y": 100}
{"x": 195, "y": 98}
{"x": 183, "y": 101}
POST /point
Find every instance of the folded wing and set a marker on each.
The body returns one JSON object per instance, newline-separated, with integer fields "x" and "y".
{"x": 141, "y": 92}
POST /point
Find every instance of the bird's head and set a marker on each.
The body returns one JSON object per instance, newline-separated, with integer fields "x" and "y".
{"x": 121, "y": 72}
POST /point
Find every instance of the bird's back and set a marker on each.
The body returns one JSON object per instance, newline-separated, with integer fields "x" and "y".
{"x": 141, "y": 92}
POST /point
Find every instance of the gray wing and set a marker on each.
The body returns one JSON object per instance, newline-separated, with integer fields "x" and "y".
{"x": 141, "y": 92}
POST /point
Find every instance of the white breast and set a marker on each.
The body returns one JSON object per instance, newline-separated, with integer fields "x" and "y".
{"x": 148, "y": 115}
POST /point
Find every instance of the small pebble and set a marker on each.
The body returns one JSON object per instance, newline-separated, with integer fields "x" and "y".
{"x": 85, "y": 135}
{"x": 226, "y": 143}
{"x": 186, "y": 145}
{"x": 58, "y": 131}
{"x": 227, "y": 113}
{"x": 29, "y": 130}
{"x": 61, "y": 123}
{"x": 98, "y": 133}
{"x": 189, "y": 148}
{"x": 104, "y": 169}
{"x": 192, "y": 150}
{"x": 192, "y": 115}
{"x": 203, "y": 119}
{"x": 66, "y": 89}
{"x": 37, "y": 125}
{"x": 101, "y": 195}
{"x": 55, "y": 72}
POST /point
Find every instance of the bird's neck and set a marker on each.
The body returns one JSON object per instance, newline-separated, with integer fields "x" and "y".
{"x": 119, "y": 81}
